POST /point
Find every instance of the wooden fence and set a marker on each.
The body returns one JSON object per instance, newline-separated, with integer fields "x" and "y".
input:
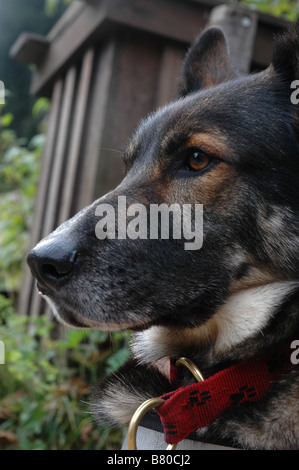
{"x": 105, "y": 65}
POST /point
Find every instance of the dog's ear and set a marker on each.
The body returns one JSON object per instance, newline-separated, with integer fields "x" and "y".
{"x": 207, "y": 62}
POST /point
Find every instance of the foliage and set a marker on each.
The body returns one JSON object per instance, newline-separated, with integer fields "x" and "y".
{"x": 19, "y": 170}
{"x": 43, "y": 396}
{"x": 288, "y": 9}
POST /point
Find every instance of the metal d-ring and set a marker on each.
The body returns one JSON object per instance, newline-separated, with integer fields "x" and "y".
{"x": 136, "y": 419}
{"x": 183, "y": 361}
{"x": 156, "y": 402}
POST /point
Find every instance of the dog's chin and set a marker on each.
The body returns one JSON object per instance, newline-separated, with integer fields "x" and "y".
{"x": 72, "y": 319}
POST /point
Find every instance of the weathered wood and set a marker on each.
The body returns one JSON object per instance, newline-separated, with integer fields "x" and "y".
{"x": 68, "y": 46}
{"x": 61, "y": 152}
{"x": 84, "y": 23}
{"x": 90, "y": 22}
{"x": 132, "y": 96}
{"x": 47, "y": 161}
{"x": 40, "y": 202}
{"x": 240, "y": 26}
{"x": 56, "y": 174}
{"x": 30, "y": 48}
{"x": 76, "y": 134}
{"x": 175, "y": 19}
{"x": 95, "y": 126}
{"x": 263, "y": 45}
{"x": 170, "y": 73}
{"x": 66, "y": 20}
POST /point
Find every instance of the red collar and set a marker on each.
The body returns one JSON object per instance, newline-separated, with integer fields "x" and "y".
{"x": 194, "y": 406}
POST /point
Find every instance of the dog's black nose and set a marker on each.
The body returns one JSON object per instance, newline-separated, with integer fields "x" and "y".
{"x": 51, "y": 263}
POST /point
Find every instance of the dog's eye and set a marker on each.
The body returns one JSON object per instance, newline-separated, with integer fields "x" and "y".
{"x": 197, "y": 160}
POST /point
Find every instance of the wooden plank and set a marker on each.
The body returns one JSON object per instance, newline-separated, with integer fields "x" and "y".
{"x": 132, "y": 96}
{"x": 134, "y": 85}
{"x": 263, "y": 46}
{"x": 95, "y": 123}
{"x": 56, "y": 175}
{"x": 171, "y": 65}
{"x": 66, "y": 20}
{"x": 239, "y": 25}
{"x": 47, "y": 159}
{"x": 68, "y": 45}
{"x": 81, "y": 101}
{"x": 61, "y": 152}
{"x": 29, "y": 48}
{"x": 175, "y": 19}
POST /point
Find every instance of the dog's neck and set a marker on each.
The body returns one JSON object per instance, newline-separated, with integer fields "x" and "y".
{"x": 242, "y": 320}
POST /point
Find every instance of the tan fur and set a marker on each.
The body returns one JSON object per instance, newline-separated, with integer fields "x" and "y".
{"x": 213, "y": 144}
{"x": 245, "y": 312}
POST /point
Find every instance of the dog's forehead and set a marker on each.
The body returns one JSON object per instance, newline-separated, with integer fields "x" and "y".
{"x": 198, "y": 112}
{"x": 168, "y": 127}
{"x": 225, "y": 112}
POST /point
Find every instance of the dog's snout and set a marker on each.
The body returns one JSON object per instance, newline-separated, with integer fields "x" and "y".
{"x": 51, "y": 263}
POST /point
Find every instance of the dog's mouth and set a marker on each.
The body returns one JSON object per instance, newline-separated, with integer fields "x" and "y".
{"x": 74, "y": 319}
{"x": 73, "y": 322}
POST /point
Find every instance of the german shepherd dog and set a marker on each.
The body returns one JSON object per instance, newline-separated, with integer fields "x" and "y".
{"x": 229, "y": 143}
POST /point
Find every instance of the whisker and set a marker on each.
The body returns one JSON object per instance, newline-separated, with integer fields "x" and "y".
{"x": 112, "y": 150}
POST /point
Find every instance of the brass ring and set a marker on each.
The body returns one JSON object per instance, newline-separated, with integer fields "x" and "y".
{"x": 183, "y": 361}
{"x": 136, "y": 419}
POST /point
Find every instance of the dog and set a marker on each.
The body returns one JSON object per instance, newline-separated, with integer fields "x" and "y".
{"x": 231, "y": 144}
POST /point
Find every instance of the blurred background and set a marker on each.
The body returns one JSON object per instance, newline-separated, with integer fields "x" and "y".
{"x": 48, "y": 372}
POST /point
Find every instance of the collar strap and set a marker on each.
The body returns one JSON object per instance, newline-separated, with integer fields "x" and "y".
{"x": 200, "y": 404}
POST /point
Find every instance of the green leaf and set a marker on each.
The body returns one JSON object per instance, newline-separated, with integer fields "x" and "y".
{"x": 74, "y": 338}
{"x": 6, "y": 119}
{"x": 117, "y": 359}
{"x": 41, "y": 106}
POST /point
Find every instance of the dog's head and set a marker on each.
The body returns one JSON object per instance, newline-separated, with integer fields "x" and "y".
{"x": 229, "y": 144}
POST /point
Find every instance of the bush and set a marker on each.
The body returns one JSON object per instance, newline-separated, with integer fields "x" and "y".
{"x": 287, "y": 9}
{"x": 19, "y": 170}
{"x": 45, "y": 384}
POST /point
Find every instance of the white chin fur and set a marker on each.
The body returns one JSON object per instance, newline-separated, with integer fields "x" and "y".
{"x": 244, "y": 314}
{"x": 88, "y": 323}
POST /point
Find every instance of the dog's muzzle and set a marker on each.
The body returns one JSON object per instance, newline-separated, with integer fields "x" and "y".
{"x": 52, "y": 262}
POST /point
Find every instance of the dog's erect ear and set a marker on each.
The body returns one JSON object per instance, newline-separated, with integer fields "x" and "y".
{"x": 207, "y": 62}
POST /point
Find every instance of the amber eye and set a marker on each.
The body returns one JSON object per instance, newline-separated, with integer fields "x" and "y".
{"x": 198, "y": 160}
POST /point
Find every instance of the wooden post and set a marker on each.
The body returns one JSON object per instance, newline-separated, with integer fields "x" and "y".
{"x": 240, "y": 26}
